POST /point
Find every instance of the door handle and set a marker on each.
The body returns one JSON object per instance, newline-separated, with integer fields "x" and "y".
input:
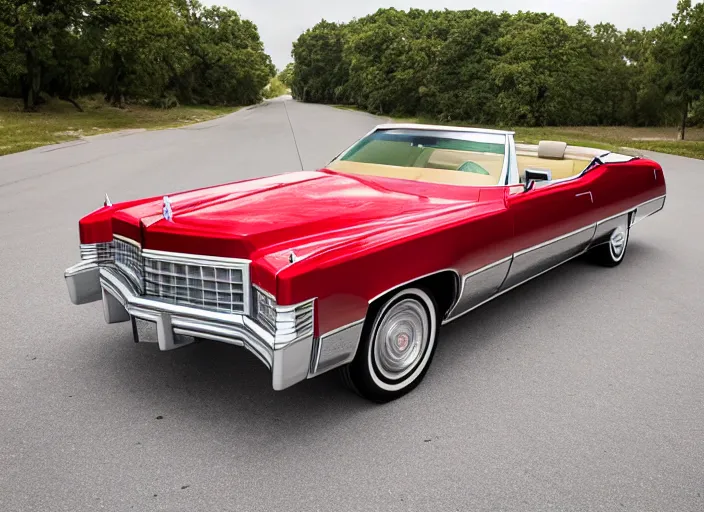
{"x": 591, "y": 197}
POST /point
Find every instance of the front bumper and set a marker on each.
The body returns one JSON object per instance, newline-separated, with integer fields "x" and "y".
{"x": 289, "y": 363}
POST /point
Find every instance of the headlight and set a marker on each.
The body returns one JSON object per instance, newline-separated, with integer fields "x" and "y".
{"x": 265, "y": 310}
{"x": 286, "y": 323}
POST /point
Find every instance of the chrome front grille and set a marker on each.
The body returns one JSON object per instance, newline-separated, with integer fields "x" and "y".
{"x": 128, "y": 258}
{"x": 209, "y": 283}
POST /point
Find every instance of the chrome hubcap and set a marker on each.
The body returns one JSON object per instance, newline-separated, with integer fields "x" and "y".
{"x": 618, "y": 242}
{"x": 401, "y": 339}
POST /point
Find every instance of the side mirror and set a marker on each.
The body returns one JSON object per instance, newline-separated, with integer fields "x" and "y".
{"x": 530, "y": 176}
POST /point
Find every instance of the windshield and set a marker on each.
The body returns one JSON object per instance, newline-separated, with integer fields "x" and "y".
{"x": 439, "y": 156}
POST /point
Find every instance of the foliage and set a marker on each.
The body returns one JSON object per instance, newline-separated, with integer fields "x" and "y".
{"x": 286, "y": 76}
{"x": 161, "y": 51}
{"x": 685, "y": 59}
{"x": 319, "y": 70}
{"x": 275, "y": 88}
{"x": 527, "y": 68}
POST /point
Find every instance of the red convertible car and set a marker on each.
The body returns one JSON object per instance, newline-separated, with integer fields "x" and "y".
{"x": 357, "y": 266}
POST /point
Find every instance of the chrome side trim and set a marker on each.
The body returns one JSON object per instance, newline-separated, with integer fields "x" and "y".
{"x": 653, "y": 206}
{"x": 536, "y": 259}
{"x": 647, "y": 209}
{"x": 552, "y": 241}
{"x": 479, "y": 285}
{"x": 607, "y": 219}
{"x": 606, "y": 226}
{"x": 512, "y": 287}
{"x": 522, "y": 263}
{"x": 336, "y": 348}
{"x": 457, "y": 274}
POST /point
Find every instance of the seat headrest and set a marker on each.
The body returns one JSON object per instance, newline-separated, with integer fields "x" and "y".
{"x": 552, "y": 149}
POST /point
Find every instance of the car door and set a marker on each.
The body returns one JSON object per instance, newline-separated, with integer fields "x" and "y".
{"x": 553, "y": 222}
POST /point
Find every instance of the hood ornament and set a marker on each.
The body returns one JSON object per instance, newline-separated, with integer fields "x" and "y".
{"x": 292, "y": 258}
{"x": 166, "y": 210}
{"x": 107, "y": 201}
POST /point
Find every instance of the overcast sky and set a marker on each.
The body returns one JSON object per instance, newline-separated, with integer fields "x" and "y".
{"x": 280, "y": 22}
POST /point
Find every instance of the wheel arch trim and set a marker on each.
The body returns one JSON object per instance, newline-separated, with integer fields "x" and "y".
{"x": 339, "y": 346}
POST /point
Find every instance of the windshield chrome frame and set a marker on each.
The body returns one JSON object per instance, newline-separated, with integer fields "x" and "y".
{"x": 511, "y": 176}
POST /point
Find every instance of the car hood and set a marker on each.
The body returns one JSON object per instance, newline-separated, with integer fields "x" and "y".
{"x": 302, "y": 209}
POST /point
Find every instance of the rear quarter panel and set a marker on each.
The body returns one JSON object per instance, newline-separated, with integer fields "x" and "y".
{"x": 619, "y": 187}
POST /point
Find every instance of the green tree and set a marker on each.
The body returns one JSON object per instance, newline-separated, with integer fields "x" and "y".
{"x": 160, "y": 51}
{"x": 141, "y": 47}
{"x": 685, "y": 50}
{"x": 467, "y": 56}
{"x": 12, "y": 62}
{"x": 319, "y": 69}
{"x": 525, "y": 68}
{"x": 286, "y": 76}
{"x": 226, "y": 63}
{"x": 35, "y": 33}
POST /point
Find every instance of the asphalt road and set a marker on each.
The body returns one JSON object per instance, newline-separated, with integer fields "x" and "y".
{"x": 582, "y": 390}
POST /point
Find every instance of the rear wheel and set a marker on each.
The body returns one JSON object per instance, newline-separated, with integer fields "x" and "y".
{"x": 611, "y": 254}
{"x": 396, "y": 348}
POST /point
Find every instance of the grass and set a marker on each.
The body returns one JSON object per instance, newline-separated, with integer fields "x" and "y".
{"x": 58, "y": 121}
{"x": 352, "y": 108}
{"x": 611, "y": 138}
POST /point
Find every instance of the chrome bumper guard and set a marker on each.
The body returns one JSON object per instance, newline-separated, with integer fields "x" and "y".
{"x": 175, "y": 324}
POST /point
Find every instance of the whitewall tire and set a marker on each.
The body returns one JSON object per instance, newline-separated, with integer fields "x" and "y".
{"x": 396, "y": 348}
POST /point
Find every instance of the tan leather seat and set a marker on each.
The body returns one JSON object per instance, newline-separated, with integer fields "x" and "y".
{"x": 551, "y": 155}
{"x": 552, "y": 149}
{"x": 451, "y": 159}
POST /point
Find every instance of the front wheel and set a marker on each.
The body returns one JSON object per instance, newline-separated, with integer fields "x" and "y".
{"x": 396, "y": 347}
